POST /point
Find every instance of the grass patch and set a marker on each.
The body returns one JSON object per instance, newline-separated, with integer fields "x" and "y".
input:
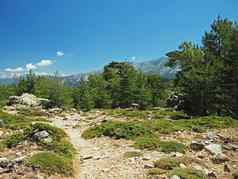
{"x": 149, "y": 143}
{"x": 187, "y": 173}
{"x": 133, "y": 154}
{"x": 171, "y": 146}
{"x": 51, "y": 163}
{"x": 118, "y": 130}
{"x": 14, "y": 139}
{"x": 156, "y": 171}
{"x": 167, "y": 163}
{"x": 15, "y": 122}
{"x": 154, "y": 143}
{"x": 235, "y": 174}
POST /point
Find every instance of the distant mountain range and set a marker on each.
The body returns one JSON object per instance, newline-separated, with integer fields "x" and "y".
{"x": 156, "y": 66}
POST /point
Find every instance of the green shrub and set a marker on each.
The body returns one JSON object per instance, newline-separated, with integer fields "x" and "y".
{"x": 167, "y": 163}
{"x": 132, "y": 154}
{"x": 235, "y": 174}
{"x": 150, "y": 143}
{"x": 187, "y": 173}
{"x": 62, "y": 147}
{"x": 51, "y": 163}
{"x": 14, "y": 139}
{"x": 171, "y": 146}
{"x": 156, "y": 171}
{"x": 54, "y": 132}
{"x": 118, "y": 130}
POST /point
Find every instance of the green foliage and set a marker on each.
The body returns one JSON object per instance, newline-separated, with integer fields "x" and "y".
{"x": 187, "y": 173}
{"x": 149, "y": 143}
{"x": 208, "y": 76}
{"x": 5, "y": 92}
{"x": 14, "y": 139}
{"x": 132, "y": 154}
{"x": 235, "y": 174}
{"x": 171, "y": 146}
{"x": 156, "y": 171}
{"x": 62, "y": 147}
{"x": 18, "y": 121}
{"x": 54, "y": 132}
{"x": 51, "y": 163}
{"x": 118, "y": 129}
{"x": 167, "y": 163}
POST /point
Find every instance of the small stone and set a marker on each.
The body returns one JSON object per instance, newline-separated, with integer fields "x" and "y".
{"x": 19, "y": 159}
{"x": 211, "y": 175}
{"x": 146, "y": 158}
{"x": 4, "y": 162}
{"x": 181, "y": 165}
{"x": 41, "y": 135}
{"x": 214, "y": 149}
{"x": 87, "y": 157}
{"x": 227, "y": 168}
{"x": 196, "y": 145}
{"x": 175, "y": 177}
{"x": 220, "y": 158}
{"x": 148, "y": 165}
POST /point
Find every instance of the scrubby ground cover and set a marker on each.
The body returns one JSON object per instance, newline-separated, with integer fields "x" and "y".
{"x": 40, "y": 144}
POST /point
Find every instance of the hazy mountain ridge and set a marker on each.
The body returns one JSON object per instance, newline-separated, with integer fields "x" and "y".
{"x": 153, "y": 66}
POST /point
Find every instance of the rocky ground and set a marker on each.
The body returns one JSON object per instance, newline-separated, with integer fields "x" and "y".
{"x": 102, "y": 158}
{"x": 214, "y": 152}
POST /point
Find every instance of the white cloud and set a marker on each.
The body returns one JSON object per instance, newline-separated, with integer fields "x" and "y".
{"x": 14, "y": 70}
{"x": 133, "y": 58}
{"x": 29, "y": 66}
{"x": 44, "y": 63}
{"x": 60, "y": 54}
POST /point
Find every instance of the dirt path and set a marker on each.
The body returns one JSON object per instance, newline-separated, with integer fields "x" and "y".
{"x": 100, "y": 158}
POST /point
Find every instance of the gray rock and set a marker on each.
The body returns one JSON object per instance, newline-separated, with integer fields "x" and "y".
{"x": 197, "y": 145}
{"x": 175, "y": 177}
{"x": 4, "y": 162}
{"x": 230, "y": 146}
{"x": 220, "y": 158}
{"x": 227, "y": 168}
{"x": 41, "y": 135}
{"x": 214, "y": 149}
{"x": 19, "y": 160}
{"x": 148, "y": 165}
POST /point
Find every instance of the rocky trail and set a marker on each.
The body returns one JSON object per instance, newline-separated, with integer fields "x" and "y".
{"x": 100, "y": 158}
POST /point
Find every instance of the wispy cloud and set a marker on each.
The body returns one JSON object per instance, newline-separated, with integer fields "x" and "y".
{"x": 14, "y": 70}
{"x": 30, "y": 66}
{"x": 44, "y": 63}
{"x": 60, "y": 54}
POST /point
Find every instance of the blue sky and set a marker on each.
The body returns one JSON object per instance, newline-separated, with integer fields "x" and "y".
{"x": 87, "y": 34}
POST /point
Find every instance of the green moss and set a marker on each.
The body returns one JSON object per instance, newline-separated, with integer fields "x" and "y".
{"x": 156, "y": 171}
{"x": 167, "y": 163}
{"x": 235, "y": 174}
{"x": 51, "y": 163}
{"x": 187, "y": 173}
{"x": 132, "y": 154}
{"x": 171, "y": 146}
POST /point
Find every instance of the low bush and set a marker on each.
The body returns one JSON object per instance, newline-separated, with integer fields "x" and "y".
{"x": 118, "y": 129}
{"x": 187, "y": 173}
{"x": 149, "y": 143}
{"x": 156, "y": 171}
{"x": 171, "y": 146}
{"x": 167, "y": 163}
{"x": 51, "y": 163}
{"x": 132, "y": 154}
{"x": 14, "y": 139}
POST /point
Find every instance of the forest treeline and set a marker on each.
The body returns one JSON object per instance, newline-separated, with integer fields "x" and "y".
{"x": 206, "y": 83}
